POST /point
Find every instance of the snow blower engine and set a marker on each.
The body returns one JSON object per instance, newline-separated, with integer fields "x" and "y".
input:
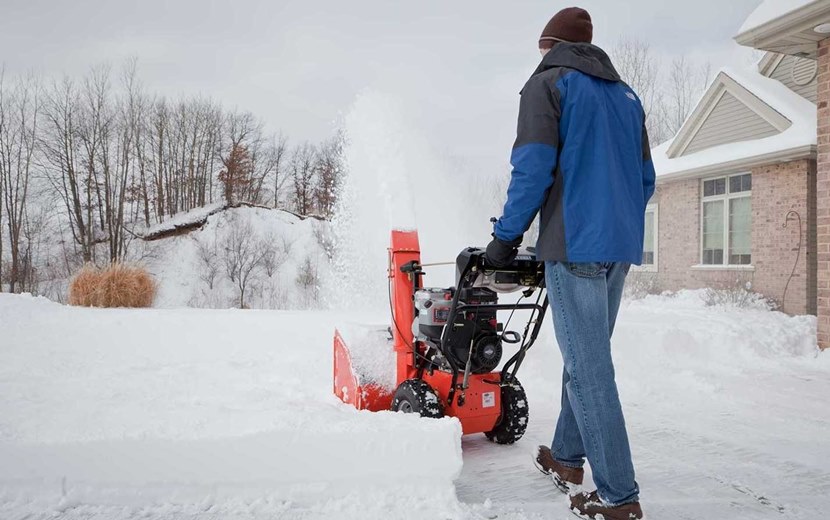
{"x": 449, "y": 342}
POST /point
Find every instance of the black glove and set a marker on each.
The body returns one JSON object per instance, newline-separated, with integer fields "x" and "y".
{"x": 501, "y": 253}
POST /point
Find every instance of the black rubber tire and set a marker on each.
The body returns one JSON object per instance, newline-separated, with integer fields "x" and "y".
{"x": 415, "y": 396}
{"x": 514, "y": 415}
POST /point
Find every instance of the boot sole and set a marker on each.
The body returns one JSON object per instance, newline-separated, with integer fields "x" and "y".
{"x": 598, "y": 516}
{"x": 577, "y": 514}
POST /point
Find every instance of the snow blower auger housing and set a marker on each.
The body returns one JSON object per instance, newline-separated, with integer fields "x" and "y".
{"x": 449, "y": 342}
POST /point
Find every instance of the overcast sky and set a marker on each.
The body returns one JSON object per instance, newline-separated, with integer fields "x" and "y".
{"x": 298, "y": 64}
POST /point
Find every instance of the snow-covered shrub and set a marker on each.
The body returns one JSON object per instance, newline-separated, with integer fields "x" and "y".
{"x": 639, "y": 284}
{"x": 274, "y": 254}
{"x": 738, "y": 294}
{"x": 118, "y": 285}
{"x": 308, "y": 281}
{"x": 208, "y": 262}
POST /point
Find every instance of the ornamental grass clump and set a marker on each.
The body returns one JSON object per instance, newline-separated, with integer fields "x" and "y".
{"x": 118, "y": 285}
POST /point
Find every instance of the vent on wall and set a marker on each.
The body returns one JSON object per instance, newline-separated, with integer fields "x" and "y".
{"x": 804, "y": 71}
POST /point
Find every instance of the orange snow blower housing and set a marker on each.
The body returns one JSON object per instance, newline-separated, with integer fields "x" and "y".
{"x": 449, "y": 343}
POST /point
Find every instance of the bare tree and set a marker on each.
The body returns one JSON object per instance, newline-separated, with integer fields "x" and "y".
{"x": 208, "y": 262}
{"x": 667, "y": 98}
{"x": 2, "y": 181}
{"x": 639, "y": 68}
{"x": 61, "y": 151}
{"x": 279, "y": 148}
{"x": 302, "y": 175}
{"x": 272, "y": 258}
{"x": 94, "y": 130}
{"x": 328, "y": 169}
{"x": 244, "y": 132}
{"x": 19, "y": 112}
{"x": 242, "y": 255}
{"x": 686, "y": 83}
{"x": 236, "y": 177}
{"x": 308, "y": 280}
{"x": 118, "y": 170}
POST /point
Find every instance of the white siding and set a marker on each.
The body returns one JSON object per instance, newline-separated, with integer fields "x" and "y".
{"x": 804, "y": 72}
{"x": 730, "y": 121}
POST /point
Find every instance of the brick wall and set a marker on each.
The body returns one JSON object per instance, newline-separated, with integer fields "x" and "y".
{"x": 776, "y": 190}
{"x": 823, "y": 193}
{"x": 678, "y": 235}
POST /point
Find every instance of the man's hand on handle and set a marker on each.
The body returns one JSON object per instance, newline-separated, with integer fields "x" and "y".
{"x": 501, "y": 253}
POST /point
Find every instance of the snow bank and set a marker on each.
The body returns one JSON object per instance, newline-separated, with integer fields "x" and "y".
{"x": 182, "y": 264}
{"x": 158, "y": 407}
{"x": 696, "y": 333}
{"x": 183, "y": 219}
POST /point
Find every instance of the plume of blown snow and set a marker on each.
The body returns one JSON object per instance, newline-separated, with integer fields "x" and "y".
{"x": 396, "y": 180}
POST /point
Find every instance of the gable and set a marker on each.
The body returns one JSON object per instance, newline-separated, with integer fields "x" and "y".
{"x": 727, "y": 113}
{"x": 729, "y": 122}
{"x": 799, "y": 75}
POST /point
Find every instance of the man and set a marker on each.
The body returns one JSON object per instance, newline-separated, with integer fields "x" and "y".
{"x": 582, "y": 157}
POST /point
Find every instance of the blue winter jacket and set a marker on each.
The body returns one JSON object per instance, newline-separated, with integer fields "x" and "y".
{"x": 582, "y": 157}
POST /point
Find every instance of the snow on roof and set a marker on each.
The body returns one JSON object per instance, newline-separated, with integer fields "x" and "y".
{"x": 770, "y": 10}
{"x": 800, "y": 111}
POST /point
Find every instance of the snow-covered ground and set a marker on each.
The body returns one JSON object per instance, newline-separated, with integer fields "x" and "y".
{"x": 173, "y": 414}
{"x": 184, "y": 413}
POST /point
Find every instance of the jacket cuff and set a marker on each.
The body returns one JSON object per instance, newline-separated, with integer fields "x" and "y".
{"x": 516, "y": 242}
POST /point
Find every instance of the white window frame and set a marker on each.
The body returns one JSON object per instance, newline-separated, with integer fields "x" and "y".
{"x": 726, "y": 197}
{"x": 653, "y": 268}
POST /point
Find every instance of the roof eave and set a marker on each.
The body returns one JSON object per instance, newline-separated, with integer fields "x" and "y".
{"x": 791, "y": 154}
{"x": 766, "y": 35}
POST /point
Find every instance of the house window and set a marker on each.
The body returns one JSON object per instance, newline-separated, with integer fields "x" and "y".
{"x": 650, "y": 238}
{"x": 727, "y": 220}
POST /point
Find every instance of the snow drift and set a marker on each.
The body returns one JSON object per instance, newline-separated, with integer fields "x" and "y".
{"x": 125, "y": 406}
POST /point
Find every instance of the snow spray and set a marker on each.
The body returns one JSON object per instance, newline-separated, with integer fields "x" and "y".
{"x": 395, "y": 180}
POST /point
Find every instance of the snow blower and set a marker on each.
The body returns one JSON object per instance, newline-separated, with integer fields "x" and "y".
{"x": 449, "y": 342}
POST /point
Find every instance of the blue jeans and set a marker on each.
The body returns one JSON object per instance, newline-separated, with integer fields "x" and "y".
{"x": 585, "y": 298}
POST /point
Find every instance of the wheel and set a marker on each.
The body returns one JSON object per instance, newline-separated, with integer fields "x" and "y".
{"x": 514, "y": 414}
{"x": 415, "y": 396}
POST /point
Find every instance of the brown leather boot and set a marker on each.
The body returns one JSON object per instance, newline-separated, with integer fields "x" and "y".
{"x": 568, "y": 480}
{"x": 591, "y": 507}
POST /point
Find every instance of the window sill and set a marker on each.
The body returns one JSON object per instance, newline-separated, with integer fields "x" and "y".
{"x": 708, "y": 267}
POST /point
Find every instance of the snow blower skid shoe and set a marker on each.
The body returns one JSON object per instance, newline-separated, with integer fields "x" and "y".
{"x": 449, "y": 342}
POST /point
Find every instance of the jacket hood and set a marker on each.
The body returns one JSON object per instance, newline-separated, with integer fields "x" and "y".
{"x": 584, "y": 57}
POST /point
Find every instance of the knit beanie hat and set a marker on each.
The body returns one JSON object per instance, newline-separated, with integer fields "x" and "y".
{"x": 568, "y": 25}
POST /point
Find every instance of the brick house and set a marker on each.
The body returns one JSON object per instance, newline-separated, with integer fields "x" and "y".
{"x": 743, "y": 189}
